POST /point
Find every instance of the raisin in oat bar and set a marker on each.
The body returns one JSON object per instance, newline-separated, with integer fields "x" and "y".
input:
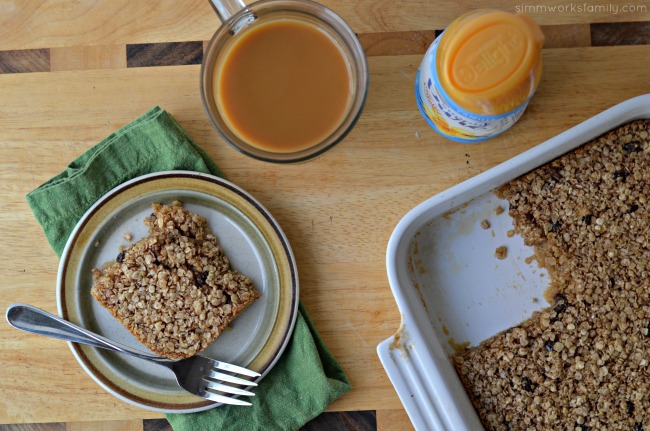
{"x": 174, "y": 289}
{"x": 581, "y": 364}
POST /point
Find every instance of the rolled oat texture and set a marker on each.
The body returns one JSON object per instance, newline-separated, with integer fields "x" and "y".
{"x": 582, "y": 363}
{"x": 174, "y": 289}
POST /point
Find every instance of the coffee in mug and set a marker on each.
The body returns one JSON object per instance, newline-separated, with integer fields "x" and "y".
{"x": 284, "y": 81}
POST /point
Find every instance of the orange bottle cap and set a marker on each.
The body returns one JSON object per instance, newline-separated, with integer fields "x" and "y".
{"x": 489, "y": 61}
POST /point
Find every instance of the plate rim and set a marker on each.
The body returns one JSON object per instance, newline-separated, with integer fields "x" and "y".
{"x": 77, "y": 350}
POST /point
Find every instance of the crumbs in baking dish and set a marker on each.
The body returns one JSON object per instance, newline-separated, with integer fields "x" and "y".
{"x": 501, "y": 252}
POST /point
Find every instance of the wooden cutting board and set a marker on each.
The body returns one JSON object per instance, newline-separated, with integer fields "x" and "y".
{"x": 73, "y": 72}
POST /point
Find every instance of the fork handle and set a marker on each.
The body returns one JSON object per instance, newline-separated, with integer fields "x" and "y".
{"x": 31, "y": 319}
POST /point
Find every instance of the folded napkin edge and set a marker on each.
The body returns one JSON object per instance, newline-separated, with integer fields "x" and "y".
{"x": 87, "y": 156}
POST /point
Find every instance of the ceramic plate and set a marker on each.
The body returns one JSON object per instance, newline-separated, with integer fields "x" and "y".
{"x": 255, "y": 246}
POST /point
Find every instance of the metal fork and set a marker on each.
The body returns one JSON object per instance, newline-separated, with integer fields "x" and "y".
{"x": 198, "y": 375}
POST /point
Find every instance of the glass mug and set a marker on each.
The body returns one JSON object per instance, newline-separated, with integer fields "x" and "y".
{"x": 283, "y": 80}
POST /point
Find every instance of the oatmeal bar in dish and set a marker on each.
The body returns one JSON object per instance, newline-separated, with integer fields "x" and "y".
{"x": 581, "y": 364}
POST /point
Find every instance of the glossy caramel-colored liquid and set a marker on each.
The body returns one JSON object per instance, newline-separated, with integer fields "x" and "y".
{"x": 283, "y": 86}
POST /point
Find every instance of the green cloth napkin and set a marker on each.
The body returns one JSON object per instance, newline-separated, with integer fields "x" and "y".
{"x": 305, "y": 379}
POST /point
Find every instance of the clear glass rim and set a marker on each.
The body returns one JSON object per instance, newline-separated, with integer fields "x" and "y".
{"x": 334, "y": 24}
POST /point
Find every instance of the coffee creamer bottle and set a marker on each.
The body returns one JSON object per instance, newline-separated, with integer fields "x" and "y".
{"x": 478, "y": 76}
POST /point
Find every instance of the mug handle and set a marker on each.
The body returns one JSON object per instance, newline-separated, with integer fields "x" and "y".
{"x": 226, "y": 8}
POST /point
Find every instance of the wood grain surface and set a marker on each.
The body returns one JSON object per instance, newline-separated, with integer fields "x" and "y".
{"x": 73, "y": 72}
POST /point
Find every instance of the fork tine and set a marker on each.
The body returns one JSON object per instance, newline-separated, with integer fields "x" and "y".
{"x": 225, "y": 400}
{"x": 213, "y": 386}
{"x": 228, "y": 378}
{"x": 234, "y": 369}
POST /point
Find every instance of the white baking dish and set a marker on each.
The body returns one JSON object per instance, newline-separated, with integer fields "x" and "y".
{"x": 449, "y": 286}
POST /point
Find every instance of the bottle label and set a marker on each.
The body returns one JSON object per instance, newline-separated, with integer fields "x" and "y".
{"x": 449, "y": 119}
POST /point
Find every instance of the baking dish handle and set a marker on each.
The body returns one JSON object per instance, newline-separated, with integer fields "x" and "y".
{"x": 425, "y": 392}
